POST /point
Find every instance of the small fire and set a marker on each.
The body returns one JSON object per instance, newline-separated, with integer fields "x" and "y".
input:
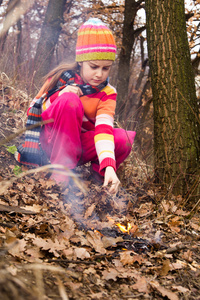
{"x": 97, "y": 231}
{"x": 124, "y": 228}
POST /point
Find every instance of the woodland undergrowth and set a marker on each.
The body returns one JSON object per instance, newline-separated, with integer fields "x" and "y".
{"x": 83, "y": 243}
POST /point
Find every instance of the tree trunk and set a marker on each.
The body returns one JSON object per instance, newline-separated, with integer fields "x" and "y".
{"x": 49, "y": 37}
{"x": 131, "y": 8}
{"x": 176, "y": 120}
{"x": 7, "y": 22}
{"x": 19, "y": 61}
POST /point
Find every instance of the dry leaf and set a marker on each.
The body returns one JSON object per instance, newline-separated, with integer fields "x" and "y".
{"x": 130, "y": 257}
{"x": 195, "y": 226}
{"x": 49, "y": 245}
{"x": 117, "y": 263}
{"x": 34, "y": 253}
{"x": 164, "y": 292}
{"x": 188, "y": 256}
{"x": 141, "y": 285}
{"x": 79, "y": 237}
{"x": 89, "y": 211}
{"x": 181, "y": 212}
{"x": 125, "y": 272}
{"x": 68, "y": 253}
{"x": 178, "y": 265}
{"x": 81, "y": 253}
{"x": 134, "y": 229}
{"x": 111, "y": 273}
{"x": 90, "y": 270}
{"x": 109, "y": 241}
{"x": 175, "y": 223}
{"x": 18, "y": 248}
{"x": 165, "y": 268}
{"x": 94, "y": 238}
{"x": 181, "y": 289}
{"x": 100, "y": 295}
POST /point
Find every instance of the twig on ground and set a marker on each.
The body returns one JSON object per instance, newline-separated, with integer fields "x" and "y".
{"x": 61, "y": 289}
{"x": 55, "y": 167}
{"x": 72, "y": 261}
{"x": 175, "y": 249}
{"x": 39, "y": 283}
{"x": 9, "y": 225}
{"x": 20, "y": 131}
{"x": 15, "y": 209}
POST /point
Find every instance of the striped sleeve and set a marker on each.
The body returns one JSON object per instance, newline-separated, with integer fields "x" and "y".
{"x": 104, "y": 139}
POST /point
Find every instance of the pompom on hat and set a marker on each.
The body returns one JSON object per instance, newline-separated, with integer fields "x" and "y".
{"x": 95, "y": 42}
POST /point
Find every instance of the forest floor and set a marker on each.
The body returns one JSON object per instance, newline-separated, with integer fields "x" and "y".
{"x": 67, "y": 244}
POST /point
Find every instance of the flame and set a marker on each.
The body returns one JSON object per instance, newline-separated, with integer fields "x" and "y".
{"x": 124, "y": 228}
{"x": 97, "y": 231}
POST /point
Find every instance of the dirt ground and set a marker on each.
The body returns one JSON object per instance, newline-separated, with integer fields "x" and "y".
{"x": 63, "y": 244}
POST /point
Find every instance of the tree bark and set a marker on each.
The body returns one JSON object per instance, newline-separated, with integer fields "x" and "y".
{"x": 12, "y": 5}
{"x": 131, "y": 8}
{"x": 49, "y": 37}
{"x": 176, "y": 120}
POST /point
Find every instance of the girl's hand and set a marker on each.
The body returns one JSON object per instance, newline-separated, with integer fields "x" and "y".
{"x": 71, "y": 89}
{"x": 111, "y": 177}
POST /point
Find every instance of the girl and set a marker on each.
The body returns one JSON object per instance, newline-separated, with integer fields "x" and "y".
{"x": 83, "y": 111}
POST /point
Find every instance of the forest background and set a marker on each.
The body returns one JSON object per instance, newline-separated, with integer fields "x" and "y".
{"x": 38, "y": 35}
{"x": 58, "y": 244}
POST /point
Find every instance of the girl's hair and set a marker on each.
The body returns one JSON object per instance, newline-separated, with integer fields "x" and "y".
{"x": 54, "y": 75}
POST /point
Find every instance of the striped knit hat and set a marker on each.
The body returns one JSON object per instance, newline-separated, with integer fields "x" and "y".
{"x": 95, "y": 42}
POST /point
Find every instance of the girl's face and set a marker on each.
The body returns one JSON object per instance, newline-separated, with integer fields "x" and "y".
{"x": 95, "y": 72}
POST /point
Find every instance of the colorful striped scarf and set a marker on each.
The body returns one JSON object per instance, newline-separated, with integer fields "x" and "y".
{"x": 30, "y": 152}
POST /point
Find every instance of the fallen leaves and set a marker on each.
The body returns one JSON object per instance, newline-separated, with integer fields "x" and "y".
{"x": 141, "y": 285}
{"x": 163, "y": 291}
{"x": 81, "y": 253}
{"x": 72, "y": 229}
{"x": 129, "y": 258}
{"x": 94, "y": 238}
{"x": 52, "y": 246}
{"x": 165, "y": 268}
{"x": 110, "y": 273}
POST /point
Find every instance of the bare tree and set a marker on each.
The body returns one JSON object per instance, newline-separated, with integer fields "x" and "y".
{"x": 12, "y": 5}
{"x": 129, "y": 36}
{"x": 50, "y": 32}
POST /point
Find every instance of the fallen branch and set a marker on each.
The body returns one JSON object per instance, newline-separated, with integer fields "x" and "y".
{"x": 9, "y": 225}
{"x": 174, "y": 249}
{"x": 15, "y": 209}
{"x": 20, "y": 131}
{"x": 72, "y": 261}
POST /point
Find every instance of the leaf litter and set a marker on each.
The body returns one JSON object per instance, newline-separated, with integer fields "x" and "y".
{"x": 65, "y": 244}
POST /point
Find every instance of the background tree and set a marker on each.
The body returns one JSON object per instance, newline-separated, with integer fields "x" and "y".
{"x": 129, "y": 35}
{"x": 130, "y": 72}
{"x": 49, "y": 36}
{"x": 176, "y": 120}
{"x": 12, "y": 5}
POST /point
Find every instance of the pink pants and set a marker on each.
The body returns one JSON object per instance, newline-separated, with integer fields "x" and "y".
{"x": 64, "y": 142}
